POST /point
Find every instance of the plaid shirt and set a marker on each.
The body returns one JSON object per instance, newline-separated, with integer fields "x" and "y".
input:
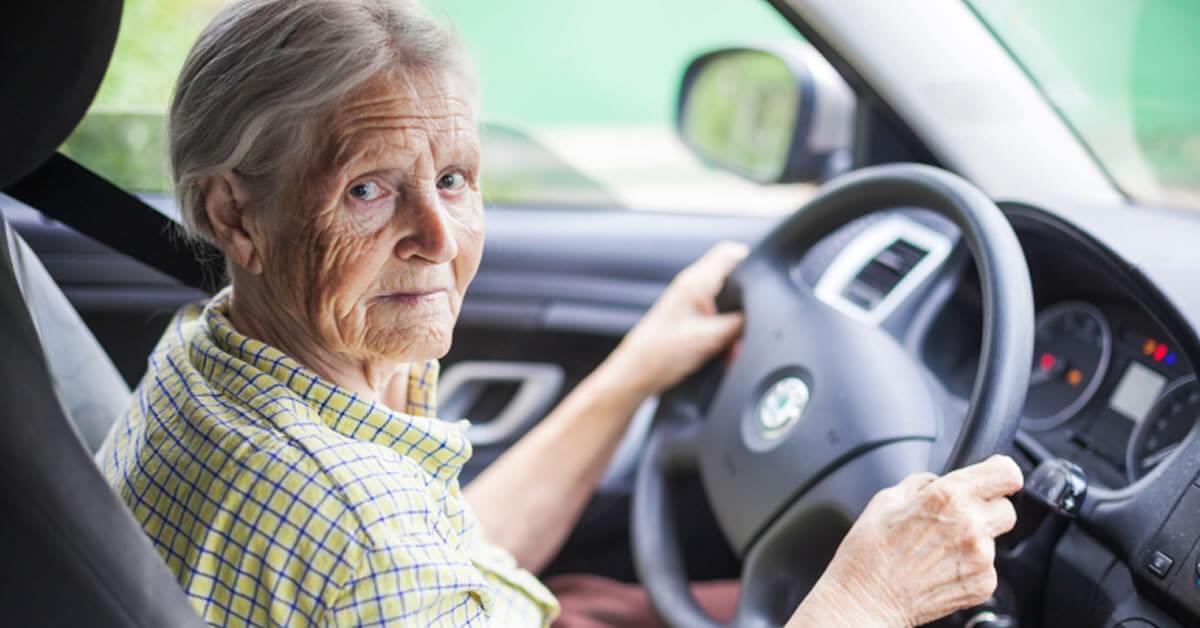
{"x": 277, "y": 498}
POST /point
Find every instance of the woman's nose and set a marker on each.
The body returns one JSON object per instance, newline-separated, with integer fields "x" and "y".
{"x": 431, "y": 236}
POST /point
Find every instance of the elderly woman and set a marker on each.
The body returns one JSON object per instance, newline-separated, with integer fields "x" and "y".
{"x": 283, "y": 451}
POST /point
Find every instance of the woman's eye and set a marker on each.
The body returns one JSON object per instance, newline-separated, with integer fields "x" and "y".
{"x": 452, "y": 181}
{"x": 366, "y": 191}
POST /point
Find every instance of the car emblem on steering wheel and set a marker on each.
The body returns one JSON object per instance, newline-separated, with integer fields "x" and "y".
{"x": 782, "y": 405}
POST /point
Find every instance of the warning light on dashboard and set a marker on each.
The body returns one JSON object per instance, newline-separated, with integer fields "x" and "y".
{"x": 1074, "y": 377}
{"x": 1160, "y": 352}
{"x": 1047, "y": 361}
{"x": 1171, "y": 358}
{"x": 1149, "y": 346}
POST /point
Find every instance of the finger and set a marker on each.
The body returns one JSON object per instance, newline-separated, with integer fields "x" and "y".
{"x": 729, "y": 250}
{"x": 913, "y": 484}
{"x": 711, "y": 270}
{"x": 999, "y": 516}
{"x": 721, "y": 329}
{"x": 980, "y": 587}
{"x": 995, "y": 477}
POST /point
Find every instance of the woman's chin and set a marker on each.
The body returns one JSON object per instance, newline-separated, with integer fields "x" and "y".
{"x": 408, "y": 340}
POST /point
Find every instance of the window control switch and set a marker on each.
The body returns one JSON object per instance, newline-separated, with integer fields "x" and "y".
{"x": 1159, "y": 564}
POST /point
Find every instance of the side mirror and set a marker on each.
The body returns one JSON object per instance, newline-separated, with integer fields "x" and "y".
{"x": 771, "y": 114}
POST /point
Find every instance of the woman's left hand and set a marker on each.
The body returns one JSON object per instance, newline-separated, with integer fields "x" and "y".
{"x": 566, "y": 455}
{"x": 683, "y": 329}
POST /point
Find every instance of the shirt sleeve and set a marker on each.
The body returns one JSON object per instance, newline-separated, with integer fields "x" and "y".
{"x": 417, "y": 582}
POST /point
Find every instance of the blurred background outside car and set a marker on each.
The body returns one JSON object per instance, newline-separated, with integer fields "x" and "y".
{"x": 579, "y": 98}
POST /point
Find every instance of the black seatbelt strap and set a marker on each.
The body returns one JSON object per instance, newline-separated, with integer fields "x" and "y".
{"x": 70, "y": 193}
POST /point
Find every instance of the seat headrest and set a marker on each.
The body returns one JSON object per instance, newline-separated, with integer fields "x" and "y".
{"x": 52, "y": 58}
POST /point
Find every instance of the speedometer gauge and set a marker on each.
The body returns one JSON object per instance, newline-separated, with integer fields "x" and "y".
{"x": 1158, "y": 435}
{"x": 1071, "y": 354}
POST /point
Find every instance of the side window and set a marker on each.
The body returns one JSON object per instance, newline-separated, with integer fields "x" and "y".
{"x": 578, "y": 99}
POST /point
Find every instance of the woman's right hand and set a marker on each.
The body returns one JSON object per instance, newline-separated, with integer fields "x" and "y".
{"x": 920, "y": 550}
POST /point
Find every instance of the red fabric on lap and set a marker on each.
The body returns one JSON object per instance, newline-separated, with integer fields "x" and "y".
{"x": 597, "y": 602}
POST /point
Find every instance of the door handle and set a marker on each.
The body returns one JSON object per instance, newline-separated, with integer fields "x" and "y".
{"x": 464, "y": 383}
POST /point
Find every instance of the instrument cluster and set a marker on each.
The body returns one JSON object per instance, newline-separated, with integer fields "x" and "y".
{"x": 1108, "y": 391}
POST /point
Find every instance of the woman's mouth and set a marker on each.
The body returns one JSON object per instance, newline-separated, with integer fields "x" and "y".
{"x": 415, "y": 297}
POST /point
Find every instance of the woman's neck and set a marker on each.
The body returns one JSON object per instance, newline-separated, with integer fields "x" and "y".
{"x": 373, "y": 380}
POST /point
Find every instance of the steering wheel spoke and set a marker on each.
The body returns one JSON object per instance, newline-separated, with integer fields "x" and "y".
{"x": 810, "y": 390}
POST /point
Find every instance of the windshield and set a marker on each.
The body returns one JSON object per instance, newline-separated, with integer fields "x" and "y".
{"x": 1123, "y": 76}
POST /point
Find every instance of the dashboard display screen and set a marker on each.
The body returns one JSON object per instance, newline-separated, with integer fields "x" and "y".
{"x": 1135, "y": 394}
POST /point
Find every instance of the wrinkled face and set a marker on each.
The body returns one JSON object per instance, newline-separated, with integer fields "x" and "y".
{"x": 375, "y": 250}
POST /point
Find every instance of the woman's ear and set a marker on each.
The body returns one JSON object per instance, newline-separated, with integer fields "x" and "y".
{"x": 226, "y": 198}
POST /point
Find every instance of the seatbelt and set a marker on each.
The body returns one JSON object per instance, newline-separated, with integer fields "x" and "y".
{"x": 83, "y": 200}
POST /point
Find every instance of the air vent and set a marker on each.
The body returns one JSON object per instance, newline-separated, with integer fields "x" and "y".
{"x": 881, "y": 266}
{"x": 883, "y": 273}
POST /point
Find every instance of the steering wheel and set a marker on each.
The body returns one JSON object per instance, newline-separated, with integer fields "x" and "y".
{"x": 817, "y": 412}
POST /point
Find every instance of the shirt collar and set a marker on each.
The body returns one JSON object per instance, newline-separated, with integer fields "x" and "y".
{"x": 438, "y": 446}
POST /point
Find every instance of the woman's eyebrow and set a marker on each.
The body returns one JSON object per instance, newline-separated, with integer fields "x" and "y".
{"x": 358, "y": 147}
{"x": 464, "y": 147}
{"x": 457, "y": 144}
{"x": 463, "y": 154}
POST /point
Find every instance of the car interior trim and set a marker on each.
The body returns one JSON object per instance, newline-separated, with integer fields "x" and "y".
{"x": 461, "y": 385}
{"x": 960, "y": 93}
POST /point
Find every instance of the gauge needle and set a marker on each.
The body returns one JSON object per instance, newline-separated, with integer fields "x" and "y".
{"x": 1150, "y": 460}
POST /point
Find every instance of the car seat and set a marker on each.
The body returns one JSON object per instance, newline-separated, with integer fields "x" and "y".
{"x": 71, "y": 553}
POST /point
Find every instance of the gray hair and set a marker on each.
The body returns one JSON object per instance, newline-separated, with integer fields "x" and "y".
{"x": 263, "y": 72}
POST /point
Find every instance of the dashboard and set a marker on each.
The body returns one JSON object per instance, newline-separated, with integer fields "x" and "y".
{"x": 1113, "y": 389}
{"x": 1110, "y": 390}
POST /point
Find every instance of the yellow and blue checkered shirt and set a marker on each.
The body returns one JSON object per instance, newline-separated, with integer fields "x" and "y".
{"x": 278, "y": 498}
